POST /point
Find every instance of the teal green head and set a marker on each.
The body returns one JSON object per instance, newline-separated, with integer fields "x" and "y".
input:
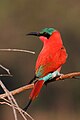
{"x": 46, "y": 32}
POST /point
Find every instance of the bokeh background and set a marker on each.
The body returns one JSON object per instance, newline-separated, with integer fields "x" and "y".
{"x": 60, "y": 100}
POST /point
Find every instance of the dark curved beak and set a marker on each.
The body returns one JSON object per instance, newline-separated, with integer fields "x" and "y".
{"x": 34, "y": 33}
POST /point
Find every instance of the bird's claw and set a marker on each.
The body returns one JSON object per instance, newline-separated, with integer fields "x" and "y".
{"x": 61, "y": 76}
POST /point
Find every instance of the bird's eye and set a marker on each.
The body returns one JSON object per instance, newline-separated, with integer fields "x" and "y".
{"x": 46, "y": 35}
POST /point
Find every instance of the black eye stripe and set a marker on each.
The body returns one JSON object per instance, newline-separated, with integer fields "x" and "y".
{"x": 46, "y": 34}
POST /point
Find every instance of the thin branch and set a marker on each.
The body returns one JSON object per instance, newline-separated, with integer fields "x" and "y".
{"x": 17, "y": 50}
{"x": 17, "y": 108}
{"x": 16, "y": 105}
{"x": 5, "y": 75}
{"x": 12, "y": 102}
{"x": 9, "y": 97}
{"x": 68, "y": 75}
{"x": 65, "y": 76}
{"x": 7, "y": 70}
{"x": 30, "y": 86}
{"x": 21, "y": 89}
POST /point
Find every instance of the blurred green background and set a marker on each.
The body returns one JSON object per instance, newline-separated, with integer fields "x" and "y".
{"x": 60, "y": 100}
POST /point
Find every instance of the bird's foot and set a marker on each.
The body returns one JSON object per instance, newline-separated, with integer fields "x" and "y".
{"x": 56, "y": 74}
{"x": 61, "y": 75}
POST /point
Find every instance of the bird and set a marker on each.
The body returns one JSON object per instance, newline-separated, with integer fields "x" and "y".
{"x": 50, "y": 60}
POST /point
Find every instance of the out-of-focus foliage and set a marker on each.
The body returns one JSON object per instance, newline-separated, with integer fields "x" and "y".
{"x": 61, "y": 100}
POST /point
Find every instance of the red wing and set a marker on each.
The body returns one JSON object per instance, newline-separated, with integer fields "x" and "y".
{"x": 50, "y": 62}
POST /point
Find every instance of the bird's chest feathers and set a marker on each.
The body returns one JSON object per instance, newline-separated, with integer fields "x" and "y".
{"x": 48, "y": 56}
{"x": 50, "y": 48}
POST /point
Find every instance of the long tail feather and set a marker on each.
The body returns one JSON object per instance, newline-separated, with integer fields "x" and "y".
{"x": 37, "y": 87}
{"x": 25, "y": 109}
{"x": 34, "y": 93}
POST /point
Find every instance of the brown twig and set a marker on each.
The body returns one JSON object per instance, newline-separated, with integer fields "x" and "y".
{"x": 65, "y": 76}
{"x": 30, "y": 86}
{"x": 12, "y": 103}
{"x": 25, "y": 113}
{"x": 17, "y": 50}
{"x": 16, "y": 91}
{"x": 6, "y": 75}
{"x": 69, "y": 75}
{"x": 4, "y": 68}
{"x": 9, "y": 98}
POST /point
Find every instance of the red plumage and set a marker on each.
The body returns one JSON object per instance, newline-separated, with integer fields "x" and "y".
{"x": 52, "y": 56}
{"x": 37, "y": 87}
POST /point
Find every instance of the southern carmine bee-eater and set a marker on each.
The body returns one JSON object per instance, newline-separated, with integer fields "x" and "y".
{"x": 50, "y": 60}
